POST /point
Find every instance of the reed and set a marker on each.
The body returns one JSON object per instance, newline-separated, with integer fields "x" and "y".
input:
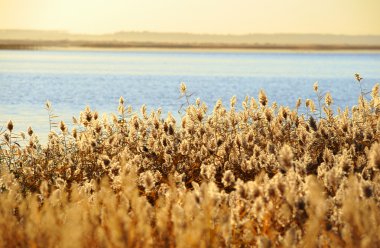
{"x": 258, "y": 175}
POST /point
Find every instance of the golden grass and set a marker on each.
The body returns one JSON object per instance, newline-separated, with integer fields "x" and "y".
{"x": 255, "y": 176}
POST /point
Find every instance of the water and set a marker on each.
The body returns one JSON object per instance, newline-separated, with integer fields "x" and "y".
{"x": 73, "y": 79}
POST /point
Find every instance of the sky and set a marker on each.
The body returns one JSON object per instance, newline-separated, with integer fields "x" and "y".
{"x": 351, "y": 17}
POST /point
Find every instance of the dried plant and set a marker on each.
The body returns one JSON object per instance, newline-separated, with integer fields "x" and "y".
{"x": 257, "y": 176}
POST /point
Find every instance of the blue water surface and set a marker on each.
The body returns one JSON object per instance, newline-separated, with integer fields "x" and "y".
{"x": 73, "y": 79}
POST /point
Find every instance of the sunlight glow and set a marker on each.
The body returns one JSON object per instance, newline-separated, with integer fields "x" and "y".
{"x": 196, "y": 16}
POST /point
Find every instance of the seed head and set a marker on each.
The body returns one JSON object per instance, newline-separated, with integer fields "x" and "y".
{"x": 298, "y": 104}
{"x": 228, "y": 178}
{"x": 263, "y": 98}
{"x": 268, "y": 115}
{"x": 233, "y": 102}
{"x": 30, "y": 131}
{"x": 6, "y": 137}
{"x": 310, "y": 104}
{"x": 171, "y": 130}
{"x": 183, "y": 88}
{"x": 48, "y": 105}
{"x": 130, "y": 109}
{"x": 313, "y": 123}
{"x": 208, "y": 171}
{"x": 88, "y": 114}
{"x": 358, "y": 77}
{"x": 328, "y": 99}
{"x": 98, "y": 128}
{"x": 198, "y": 102}
{"x": 143, "y": 110}
{"x": 74, "y": 133}
{"x": 315, "y": 86}
{"x": 62, "y": 126}
{"x": 10, "y": 126}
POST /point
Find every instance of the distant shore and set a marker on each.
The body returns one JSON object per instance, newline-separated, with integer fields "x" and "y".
{"x": 59, "y": 44}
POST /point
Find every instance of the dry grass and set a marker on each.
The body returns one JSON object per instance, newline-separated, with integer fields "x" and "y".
{"x": 256, "y": 176}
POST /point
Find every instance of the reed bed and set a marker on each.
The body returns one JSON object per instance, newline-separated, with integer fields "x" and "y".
{"x": 259, "y": 175}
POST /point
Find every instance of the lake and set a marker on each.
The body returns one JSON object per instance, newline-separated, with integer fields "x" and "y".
{"x": 73, "y": 79}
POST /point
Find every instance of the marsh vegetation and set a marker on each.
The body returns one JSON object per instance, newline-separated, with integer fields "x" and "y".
{"x": 255, "y": 175}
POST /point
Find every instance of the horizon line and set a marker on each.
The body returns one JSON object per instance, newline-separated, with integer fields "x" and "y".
{"x": 181, "y": 32}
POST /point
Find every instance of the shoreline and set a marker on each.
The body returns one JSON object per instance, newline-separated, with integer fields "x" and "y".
{"x": 94, "y": 45}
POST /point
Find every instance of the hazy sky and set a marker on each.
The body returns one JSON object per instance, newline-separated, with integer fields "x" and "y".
{"x": 196, "y": 16}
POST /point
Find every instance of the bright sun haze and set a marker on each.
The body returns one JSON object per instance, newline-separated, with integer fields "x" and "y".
{"x": 351, "y": 17}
